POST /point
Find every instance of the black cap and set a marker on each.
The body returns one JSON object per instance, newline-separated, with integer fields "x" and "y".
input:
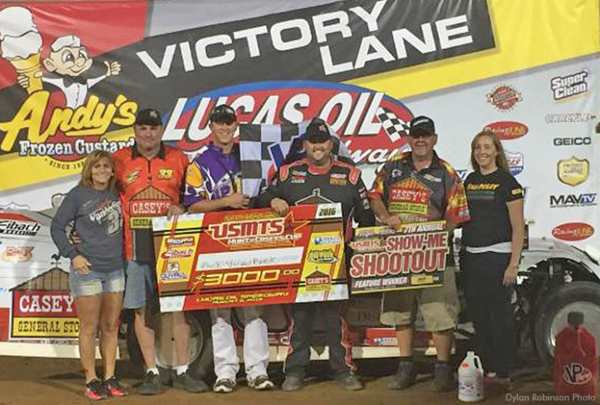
{"x": 421, "y": 124}
{"x": 149, "y": 116}
{"x": 317, "y": 131}
{"x": 223, "y": 114}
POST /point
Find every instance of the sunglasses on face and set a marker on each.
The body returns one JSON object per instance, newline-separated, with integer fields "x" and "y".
{"x": 421, "y": 135}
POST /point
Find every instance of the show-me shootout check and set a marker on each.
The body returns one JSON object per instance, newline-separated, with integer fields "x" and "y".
{"x": 385, "y": 259}
{"x": 253, "y": 257}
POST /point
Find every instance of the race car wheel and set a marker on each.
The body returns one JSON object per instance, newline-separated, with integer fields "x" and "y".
{"x": 551, "y": 318}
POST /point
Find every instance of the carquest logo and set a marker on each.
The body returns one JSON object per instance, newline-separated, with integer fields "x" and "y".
{"x": 573, "y": 231}
{"x": 372, "y": 124}
{"x": 504, "y": 98}
{"x": 564, "y": 87}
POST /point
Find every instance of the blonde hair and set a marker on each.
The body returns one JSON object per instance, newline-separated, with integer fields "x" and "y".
{"x": 90, "y": 161}
{"x": 500, "y": 156}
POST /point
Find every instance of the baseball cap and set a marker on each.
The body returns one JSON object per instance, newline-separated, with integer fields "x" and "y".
{"x": 422, "y": 124}
{"x": 223, "y": 113}
{"x": 317, "y": 131}
{"x": 148, "y": 116}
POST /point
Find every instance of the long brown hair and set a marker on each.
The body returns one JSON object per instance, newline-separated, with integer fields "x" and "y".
{"x": 90, "y": 161}
{"x": 500, "y": 156}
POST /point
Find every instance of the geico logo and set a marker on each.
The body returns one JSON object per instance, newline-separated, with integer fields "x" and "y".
{"x": 242, "y": 277}
{"x": 263, "y": 227}
{"x": 573, "y": 141}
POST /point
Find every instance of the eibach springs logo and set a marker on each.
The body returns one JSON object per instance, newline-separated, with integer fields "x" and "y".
{"x": 62, "y": 132}
{"x": 573, "y": 231}
{"x": 371, "y": 124}
{"x": 571, "y": 85}
{"x": 504, "y": 98}
{"x": 507, "y": 130}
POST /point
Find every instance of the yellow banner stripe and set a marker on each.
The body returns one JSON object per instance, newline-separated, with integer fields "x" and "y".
{"x": 45, "y": 327}
{"x": 21, "y": 168}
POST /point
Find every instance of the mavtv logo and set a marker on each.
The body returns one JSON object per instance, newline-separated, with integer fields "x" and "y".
{"x": 573, "y": 200}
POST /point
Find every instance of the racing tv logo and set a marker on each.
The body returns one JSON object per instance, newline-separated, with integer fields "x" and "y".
{"x": 507, "y": 130}
{"x": 568, "y": 86}
{"x": 573, "y": 231}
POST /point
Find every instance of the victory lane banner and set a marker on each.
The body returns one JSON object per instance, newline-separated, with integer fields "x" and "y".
{"x": 411, "y": 257}
{"x": 251, "y": 257}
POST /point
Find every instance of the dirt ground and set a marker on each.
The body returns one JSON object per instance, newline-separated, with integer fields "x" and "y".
{"x": 58, "y": 381}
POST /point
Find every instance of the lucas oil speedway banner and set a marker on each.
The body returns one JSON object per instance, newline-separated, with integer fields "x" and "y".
{"x": 385, "y": 259}
{"x": 250, "y": 257}
{"x": 73, "y": 75}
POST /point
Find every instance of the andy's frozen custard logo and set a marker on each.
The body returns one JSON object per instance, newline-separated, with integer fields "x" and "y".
{"x": 63, "y": 133}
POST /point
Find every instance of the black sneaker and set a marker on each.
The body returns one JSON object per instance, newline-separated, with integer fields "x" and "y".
{"x": 95, "y": 391}
{"x": 349, "y": 381}
{"x": 261, "y": 382}
{"x": 114, "y": 387}
{"x": 404, "y": 377}
{"x": 185, "y": 382}
{"x": 224, "y": 385}
{"x": 292, "y": 382}
{"x": 151, "y": 384}
{"x": 443, "y": 377}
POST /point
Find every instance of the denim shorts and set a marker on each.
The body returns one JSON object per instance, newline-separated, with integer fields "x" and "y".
{"x": 96, "y": 282}
{"x": 141, "y": 287}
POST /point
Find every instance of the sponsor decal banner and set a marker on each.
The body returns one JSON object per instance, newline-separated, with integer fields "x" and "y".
{"x": 412, "y": 257}
{"x": 570, "y": 85}
{"x": 507, "y": 130}
{"x": 573, "y": 231}
{"x": 55, "y": 111}
{"x": 573, "y": 171}
{"x": 516, "y": 162}
{"x": 504, "y": 98}
{"x": 43, "y": 314}
{"x": 250, "y": 257}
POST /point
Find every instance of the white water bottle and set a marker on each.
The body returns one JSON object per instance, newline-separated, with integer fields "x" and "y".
{"x": 470, "y": 379}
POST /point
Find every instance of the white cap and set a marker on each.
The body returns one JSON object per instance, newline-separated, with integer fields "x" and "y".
{"x": 15, "y": 22}
{"x": 67, "y": 40}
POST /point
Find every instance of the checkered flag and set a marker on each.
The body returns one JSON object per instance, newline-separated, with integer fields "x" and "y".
{"x": 395, "y": 127}
{"x": 264, "y": 148}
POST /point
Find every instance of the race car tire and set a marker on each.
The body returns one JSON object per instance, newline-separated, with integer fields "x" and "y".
{"x": 551, "y": 317}
{"x": 201, "y": 354}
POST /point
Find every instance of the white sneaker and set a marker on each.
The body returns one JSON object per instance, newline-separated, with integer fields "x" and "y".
{"x": 224, "y": 385}
{"x": 261, "y": 382}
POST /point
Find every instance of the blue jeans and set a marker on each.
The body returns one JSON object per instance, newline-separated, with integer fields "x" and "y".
{"x": 141, "y": 285}
{"x": 96, "y": 282}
